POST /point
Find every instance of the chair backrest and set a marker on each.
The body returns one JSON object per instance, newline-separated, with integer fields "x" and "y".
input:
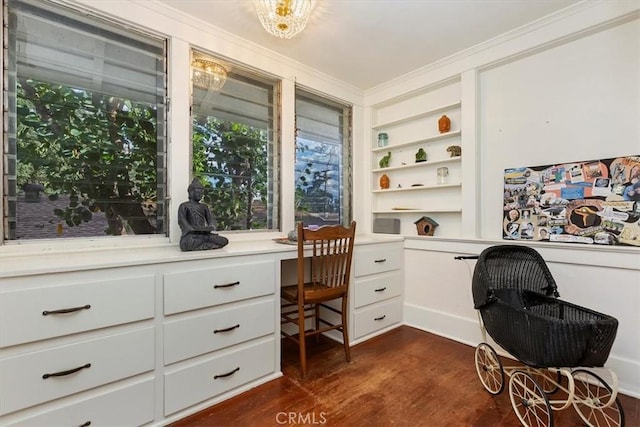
{"x": 331, "y": 249}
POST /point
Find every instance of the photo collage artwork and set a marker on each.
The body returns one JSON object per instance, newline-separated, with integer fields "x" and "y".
{"x": 591, "y": 202}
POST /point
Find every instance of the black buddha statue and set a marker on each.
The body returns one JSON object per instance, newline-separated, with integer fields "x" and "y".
{"x": 196, "y": 223}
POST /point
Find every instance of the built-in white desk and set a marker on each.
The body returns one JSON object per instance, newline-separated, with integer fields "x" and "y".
{"x": 158, "y": 333}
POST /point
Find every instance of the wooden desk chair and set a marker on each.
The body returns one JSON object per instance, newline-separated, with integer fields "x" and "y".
{"x": 328, "y": 274}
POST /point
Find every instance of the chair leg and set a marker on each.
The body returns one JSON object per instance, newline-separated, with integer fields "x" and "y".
{"x": 345, "y": 332}
{"x": 317, "y": 320}
{"x": 302, "y": 340}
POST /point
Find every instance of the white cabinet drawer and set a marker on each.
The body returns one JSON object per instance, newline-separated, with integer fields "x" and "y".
{"x": 128, "y": 406}
{"x": 207, "y": 332}
{"x": 377, "y": 317}
{"x": 378, "y": 258}
{"x": 201, "y": 381}
{"x": 98, "y": 361}
{"x": 30, "y": 314}
{"x": 188, "y": 290}
{"x": 377, "y": 288}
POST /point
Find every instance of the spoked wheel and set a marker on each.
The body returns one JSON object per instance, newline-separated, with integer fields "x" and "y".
{"x": 592, "y": 400}
{"x": 529, "y": 401}
{"x": 548, "y": 380}
{"x": 489, "y": 368}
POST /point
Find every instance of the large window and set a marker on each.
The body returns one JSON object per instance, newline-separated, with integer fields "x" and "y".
{"x": 323, "y": 160}
{"x": 85, "y": 138}
{"x": 235, "y": 150}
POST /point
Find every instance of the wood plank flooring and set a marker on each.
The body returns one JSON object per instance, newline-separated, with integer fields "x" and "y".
{"x": 405, "y": 377}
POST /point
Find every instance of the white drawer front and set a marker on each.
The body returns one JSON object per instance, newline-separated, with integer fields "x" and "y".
{"x": 204, "y": 333}
{"x": 377, "y": 288}
{"x": 29, "y": 315}
{"x": 378, "y": 258}
{"x": 111, "y": 358}
{"x": 129, "y": 406}
{"x": 195, "y": 383}
{"x": 190, "y": 290}
{"x": 376, "y": 317}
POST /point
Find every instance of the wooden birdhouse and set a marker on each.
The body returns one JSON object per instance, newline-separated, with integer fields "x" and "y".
{"x": 426, "y": 226}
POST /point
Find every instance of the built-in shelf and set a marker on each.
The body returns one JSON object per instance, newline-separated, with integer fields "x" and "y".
{"x": 417, "y": 165}
{"x": 417, "y": 116}
{"x": 419, "y": 188}
{"x": 427, "y": 140}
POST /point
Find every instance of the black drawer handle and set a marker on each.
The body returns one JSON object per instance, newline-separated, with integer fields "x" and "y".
{"x": 66, "y": 310}
{"x": 228, "y": 285}
{"x": 380, "y": 289}
{"x": 380, "y": 260}
{"x": 230, "y": 328}
{"x": 87, "y": 424}
{"x": 228, "y": 374}
{"x": 381, "y": 317}
{"x": 69, "y": 372}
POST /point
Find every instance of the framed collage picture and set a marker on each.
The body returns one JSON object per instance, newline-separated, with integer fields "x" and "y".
{"x": 590, "y": 202}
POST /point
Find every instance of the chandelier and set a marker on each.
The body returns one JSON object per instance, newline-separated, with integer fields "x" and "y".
{"x": 283, "y": 18}
{"x": 208, "y": 74}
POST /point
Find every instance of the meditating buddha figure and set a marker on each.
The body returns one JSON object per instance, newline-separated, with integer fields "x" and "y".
{"x": 196, "y": 222}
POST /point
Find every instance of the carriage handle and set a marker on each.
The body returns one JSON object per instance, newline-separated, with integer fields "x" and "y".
{"x": 466, "y": 257}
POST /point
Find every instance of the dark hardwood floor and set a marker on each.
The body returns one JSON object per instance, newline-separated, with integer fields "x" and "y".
{"x": 405, "y": 377}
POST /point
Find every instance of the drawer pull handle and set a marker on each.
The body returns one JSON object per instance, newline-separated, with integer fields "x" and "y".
{"x": 230, "y": 328}
{"x": 228, "y": 374}
{"x": 66, "y": 310}
{"x": 381, "y": 317}
{"x": 228, "y": 285}
{"x": 87, "y": 424}
{"x": 380, "y": 260}
{"x": 69, "y": 372}
{"x": 380, "y": 289}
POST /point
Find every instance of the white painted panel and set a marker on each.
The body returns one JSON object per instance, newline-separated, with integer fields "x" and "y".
{"x": 377, "y": 288}
{"x": 111, "y": 358}
{"x": 201, "y": 381}
{"x": 134, "y": 405}
{"x": 576, "y": 101}
{"x": 111, "y": 302}
{"x": 201, "y": 334}
{"x": 189, "y": 290}
{"x": 373, "y": 259}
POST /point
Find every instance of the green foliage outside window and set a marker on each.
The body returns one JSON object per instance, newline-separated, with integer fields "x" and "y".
{"x": 231, "y": 160}
{"x": 99, "y": 150}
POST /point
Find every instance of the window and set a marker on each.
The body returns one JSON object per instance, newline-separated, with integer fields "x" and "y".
{"x": 85, "y": 153}
{"x": 323, "y": 160}
{"x": 234, "y": 149}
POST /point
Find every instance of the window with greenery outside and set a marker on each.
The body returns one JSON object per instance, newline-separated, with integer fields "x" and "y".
{"x": 234, "y": 154}
{"x": 87, "y": 140}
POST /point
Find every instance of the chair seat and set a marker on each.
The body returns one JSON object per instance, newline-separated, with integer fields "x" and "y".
{"x": 313, "y": 292}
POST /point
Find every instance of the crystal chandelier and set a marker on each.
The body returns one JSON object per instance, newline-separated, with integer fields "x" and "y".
{"x": 283, "y": 18}
{"x": 208, "y": 74}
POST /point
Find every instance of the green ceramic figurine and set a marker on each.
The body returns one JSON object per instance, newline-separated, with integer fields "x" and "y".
{"x": 421, "y": 156}
{"x": 384, "y": 162}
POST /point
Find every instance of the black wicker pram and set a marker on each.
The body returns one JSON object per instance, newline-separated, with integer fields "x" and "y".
{"x": 518, "y": 300}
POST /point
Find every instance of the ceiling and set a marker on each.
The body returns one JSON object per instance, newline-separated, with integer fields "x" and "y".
{"x": 368, "y": 42}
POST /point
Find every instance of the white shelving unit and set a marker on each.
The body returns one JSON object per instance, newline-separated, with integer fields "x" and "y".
{"x": 411, "y": 123}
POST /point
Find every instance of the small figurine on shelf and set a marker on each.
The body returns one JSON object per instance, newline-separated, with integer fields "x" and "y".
{"x": 421, "y": 156}
{"x": 384, "y": 161}
{"x": 455, "y": 150}
{"x": 385, "y": 182}
{"x": 425, "y": 226}
{"x": 444, "y": 124}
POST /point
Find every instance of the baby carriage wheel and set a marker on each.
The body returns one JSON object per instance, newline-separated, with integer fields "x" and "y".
{"x": 489, "y": 368}
{"x": 592, "y": 400}
{"x": 548, "y": 380}
{"x": 529, "y": 401}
